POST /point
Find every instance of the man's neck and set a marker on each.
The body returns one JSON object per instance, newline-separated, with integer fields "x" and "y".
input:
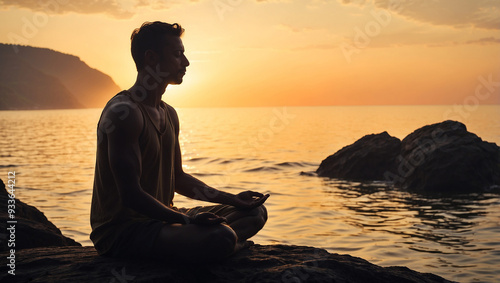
{"x": 146, "y": 91}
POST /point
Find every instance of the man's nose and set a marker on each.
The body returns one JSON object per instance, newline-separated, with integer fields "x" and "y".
{"x": 186, "y": 61}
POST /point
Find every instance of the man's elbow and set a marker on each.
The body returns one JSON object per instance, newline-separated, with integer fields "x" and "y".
{"x": 128, "y": 202}
{"x": 131, "y": 199}
{"x": 180, "y": 181}
{"x": 180, "y": 176}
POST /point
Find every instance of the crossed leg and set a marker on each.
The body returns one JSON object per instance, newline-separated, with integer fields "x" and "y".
{"x": 246, "y": 223}
{"x": 194, "y": 243}
{"x": 202, "y": 243}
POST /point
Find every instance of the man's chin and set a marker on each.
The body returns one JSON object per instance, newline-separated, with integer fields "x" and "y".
{"x": 176, "y": 81}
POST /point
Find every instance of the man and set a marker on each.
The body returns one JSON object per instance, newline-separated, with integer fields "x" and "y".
{"x": 139, "y": 167}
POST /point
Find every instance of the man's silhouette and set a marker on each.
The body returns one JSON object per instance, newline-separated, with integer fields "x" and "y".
{"x": 139, "y": 167}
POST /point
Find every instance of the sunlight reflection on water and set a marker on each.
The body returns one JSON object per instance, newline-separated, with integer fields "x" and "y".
{"x": 266, "y": 149}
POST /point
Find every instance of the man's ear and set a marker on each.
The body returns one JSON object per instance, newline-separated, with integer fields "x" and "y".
{"x": 151, "y": 58}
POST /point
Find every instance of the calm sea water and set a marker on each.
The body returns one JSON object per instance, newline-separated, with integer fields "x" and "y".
{"x": 266, "y": 149}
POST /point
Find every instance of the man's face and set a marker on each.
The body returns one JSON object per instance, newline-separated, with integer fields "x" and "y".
{"x": 172, "y": 60}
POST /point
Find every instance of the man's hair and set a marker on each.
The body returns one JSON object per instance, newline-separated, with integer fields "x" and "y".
{"x": 150, "y": 36}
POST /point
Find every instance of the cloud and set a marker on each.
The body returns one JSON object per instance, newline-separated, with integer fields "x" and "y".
{"x": 399, "y": 43}
{"x": 485, "y": 41}
{"x": 355, "y": 2}
{"x": 325, "y": 46}
{"x": 160, "y": 4}
{"x": 114, "y": 8}
{"x": 110, "y": 7}
{"x": 456, "y": 13}
{"x": 481, "y": 41}
{"x": 293, "y": 29}
{"x": 268, "y": 1}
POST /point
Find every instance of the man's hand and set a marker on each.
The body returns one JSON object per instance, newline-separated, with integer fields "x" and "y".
{"x": 249, "y": 199}
{"x": 207, "y": 218}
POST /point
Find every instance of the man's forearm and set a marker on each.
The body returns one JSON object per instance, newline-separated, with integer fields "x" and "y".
{"x": 151, "y": 207}
{"x": 191, "y": 187}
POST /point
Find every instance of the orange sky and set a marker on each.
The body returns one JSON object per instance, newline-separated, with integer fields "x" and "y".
{"x": 273, "y": 53}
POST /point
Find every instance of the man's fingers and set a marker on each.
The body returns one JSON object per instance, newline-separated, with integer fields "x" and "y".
{"x": 251, "y": 199}
{"x": 207, "y": 218}
{"x": 258, "y": 202}
{"x": 262, "y": 199}
{"x": 209, "y": 222}
{"x": 220, "y": 220}
{"x": 206, "y": 214}
{"x": 256, "y": 194}
{"x": 250, "y": 194}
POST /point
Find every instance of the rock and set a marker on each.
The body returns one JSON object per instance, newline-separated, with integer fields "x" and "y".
{"x": 366, "y": 159}
{"x": 446, "y": 157}
{"x": 442, "y": 157}
{"x": 32, "y": 229}
{"x": 40, "y": 78}
{"x": 273, "y": 263}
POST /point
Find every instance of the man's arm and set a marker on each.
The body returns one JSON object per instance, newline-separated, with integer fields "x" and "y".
{"x": 125, "y": 162}
{"x": 191, "y": 187}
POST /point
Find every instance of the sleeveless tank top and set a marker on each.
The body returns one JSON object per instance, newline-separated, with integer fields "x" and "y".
{"x": 108, "y": 217}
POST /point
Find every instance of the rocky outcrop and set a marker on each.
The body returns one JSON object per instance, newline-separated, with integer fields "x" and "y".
{"x": 32, "y": 228}
{"x": 442, "y": 157}
{"x": 41, "y": 78}
{"x": 366, "y": 159}
{"x": 24, "y": 87}
{"x": 274, "y": 263}
{"x": 447, "y": 157}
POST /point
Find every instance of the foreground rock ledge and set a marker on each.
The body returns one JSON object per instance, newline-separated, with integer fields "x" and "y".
{"x": 32, "y": 229}
{"x": 273, "y": 263}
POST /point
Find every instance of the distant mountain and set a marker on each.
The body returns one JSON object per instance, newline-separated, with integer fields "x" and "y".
{"x": 40, "y": 78}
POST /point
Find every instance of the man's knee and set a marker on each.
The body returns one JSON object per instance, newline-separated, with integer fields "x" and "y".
{"x": 263, "y": 212}
{"x": 258, "y": 217}
{"x": 222, "y": 239}
{"x": 262, "y": 216}
{"x": 259, "y": 211}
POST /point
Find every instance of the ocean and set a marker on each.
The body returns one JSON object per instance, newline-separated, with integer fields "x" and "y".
{"x": 268, "y": 150}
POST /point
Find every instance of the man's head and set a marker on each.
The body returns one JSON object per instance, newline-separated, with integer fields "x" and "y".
{"x": 159, "y": 44}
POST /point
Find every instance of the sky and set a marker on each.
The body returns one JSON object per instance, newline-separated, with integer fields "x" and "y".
{"x": 247, "y": 53}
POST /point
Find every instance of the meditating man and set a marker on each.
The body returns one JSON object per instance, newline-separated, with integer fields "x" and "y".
{"x": 139, "y": 167}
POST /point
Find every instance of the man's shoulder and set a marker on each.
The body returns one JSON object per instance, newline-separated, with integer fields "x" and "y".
{"x": 173, "y": 116}
{"x": 171, "y": 110}
{"x": 169, "y": 107}
{"x": 121, "y": 108}
{"x": 120, "y": 99}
